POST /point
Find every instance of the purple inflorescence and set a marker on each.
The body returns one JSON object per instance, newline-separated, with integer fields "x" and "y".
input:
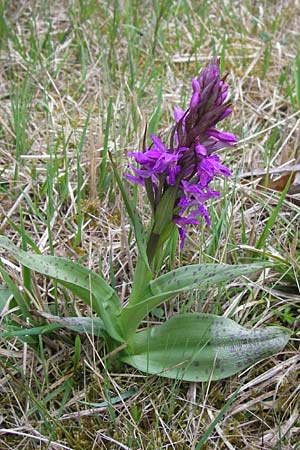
{"x": 190, "y": 161}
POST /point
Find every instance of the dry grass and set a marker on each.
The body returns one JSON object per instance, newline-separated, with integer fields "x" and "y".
{"x": 61, "y": 61}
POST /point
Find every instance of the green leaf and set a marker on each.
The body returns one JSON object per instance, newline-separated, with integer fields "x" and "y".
{"x": 18, "y": 298}
{"x": 217, "y": 419}
{"x": 139, "y": 231}
{"x": 13, "y": 331}
{"x": 84, "y": 283}
{"x": 265, "y": 234}
{"x": 90, "y": 325}
{"x": 5, "y": 293}
{"x": 184, "y": 279}
{"x": 113, "y": 400}
{"x": 103, "y": 165}
{"x": 200, "y": 347}
{"x": 77, "y": 350}
{"x": 79, "y": 150}
{"x": 200, "y": 276}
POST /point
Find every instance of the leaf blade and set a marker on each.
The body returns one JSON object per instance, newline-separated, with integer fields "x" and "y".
{"x": 81, "y": 325}
{"x": 200, "y": 347}
{"x": 184, "y": 279}
{"x": 139, "y": 231}
{"x": 89, "y": 286}
{"x": 266, "y": 232}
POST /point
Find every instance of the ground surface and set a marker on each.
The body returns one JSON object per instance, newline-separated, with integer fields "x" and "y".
{"x": 78, "y": 78}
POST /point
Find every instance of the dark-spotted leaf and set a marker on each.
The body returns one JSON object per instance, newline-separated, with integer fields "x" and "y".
{"x": 200, "y": 347}
{"x": 200, "y": 276}
{"x": 82, "y": 325}
{"x": 184, "y": 279}
{"x": 84, "y": 283}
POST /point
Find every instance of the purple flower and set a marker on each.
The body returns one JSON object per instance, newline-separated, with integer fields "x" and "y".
{"x": 190, "y": 163}
{"x": 155, "y": 161}
{"x": 210, "y": 166}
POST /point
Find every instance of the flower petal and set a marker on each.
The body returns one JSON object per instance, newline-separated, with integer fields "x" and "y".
{"x": 227, "y": 138}
{"x": 158, "y": 143}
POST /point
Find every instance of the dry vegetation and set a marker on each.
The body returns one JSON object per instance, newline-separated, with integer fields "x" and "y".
{"x": 79, "y": 77}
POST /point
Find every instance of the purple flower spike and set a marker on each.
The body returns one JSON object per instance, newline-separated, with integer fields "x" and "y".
{"x": 190, "y": 163}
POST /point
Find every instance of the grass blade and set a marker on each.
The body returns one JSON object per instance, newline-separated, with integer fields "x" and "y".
{"x": 262, "y": 240}
{"x": 139, "y": 231}
{"x": 103, "y": 165}
{"x": 217, "y": 419}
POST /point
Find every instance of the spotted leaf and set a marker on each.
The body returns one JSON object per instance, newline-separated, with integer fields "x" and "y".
{"x": 184, "y": 279}
{"x": 200, "y": 347}
{"x": 84, "y": 283}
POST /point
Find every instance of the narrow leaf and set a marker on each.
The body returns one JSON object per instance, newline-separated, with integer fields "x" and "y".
{"x": 20, "y": 301}
{"x": 5, "y": 293}
{"x": 79, "y": 149}
{"x": 139, "y": 231}
{"x": 200, "y": 347}
{"x": 265, "y": 234}
{"x": 35, "y": 331}
{"x": 113, "y": 400}
{"x": 103, "y": 165}
{"x": 165, "y": 209}
{"x": 84, "y": 283}
{"x": 77, "y": 350}
{"x": 217, "y": 419}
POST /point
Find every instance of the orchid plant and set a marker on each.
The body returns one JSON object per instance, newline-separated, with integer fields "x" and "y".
{"x": 177, "y": 179}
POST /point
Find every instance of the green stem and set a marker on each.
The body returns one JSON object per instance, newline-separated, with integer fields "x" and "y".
{"x": 152, "y": 246}
{"x": 142, "y": 276}
{"x": 140, "y": 288}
